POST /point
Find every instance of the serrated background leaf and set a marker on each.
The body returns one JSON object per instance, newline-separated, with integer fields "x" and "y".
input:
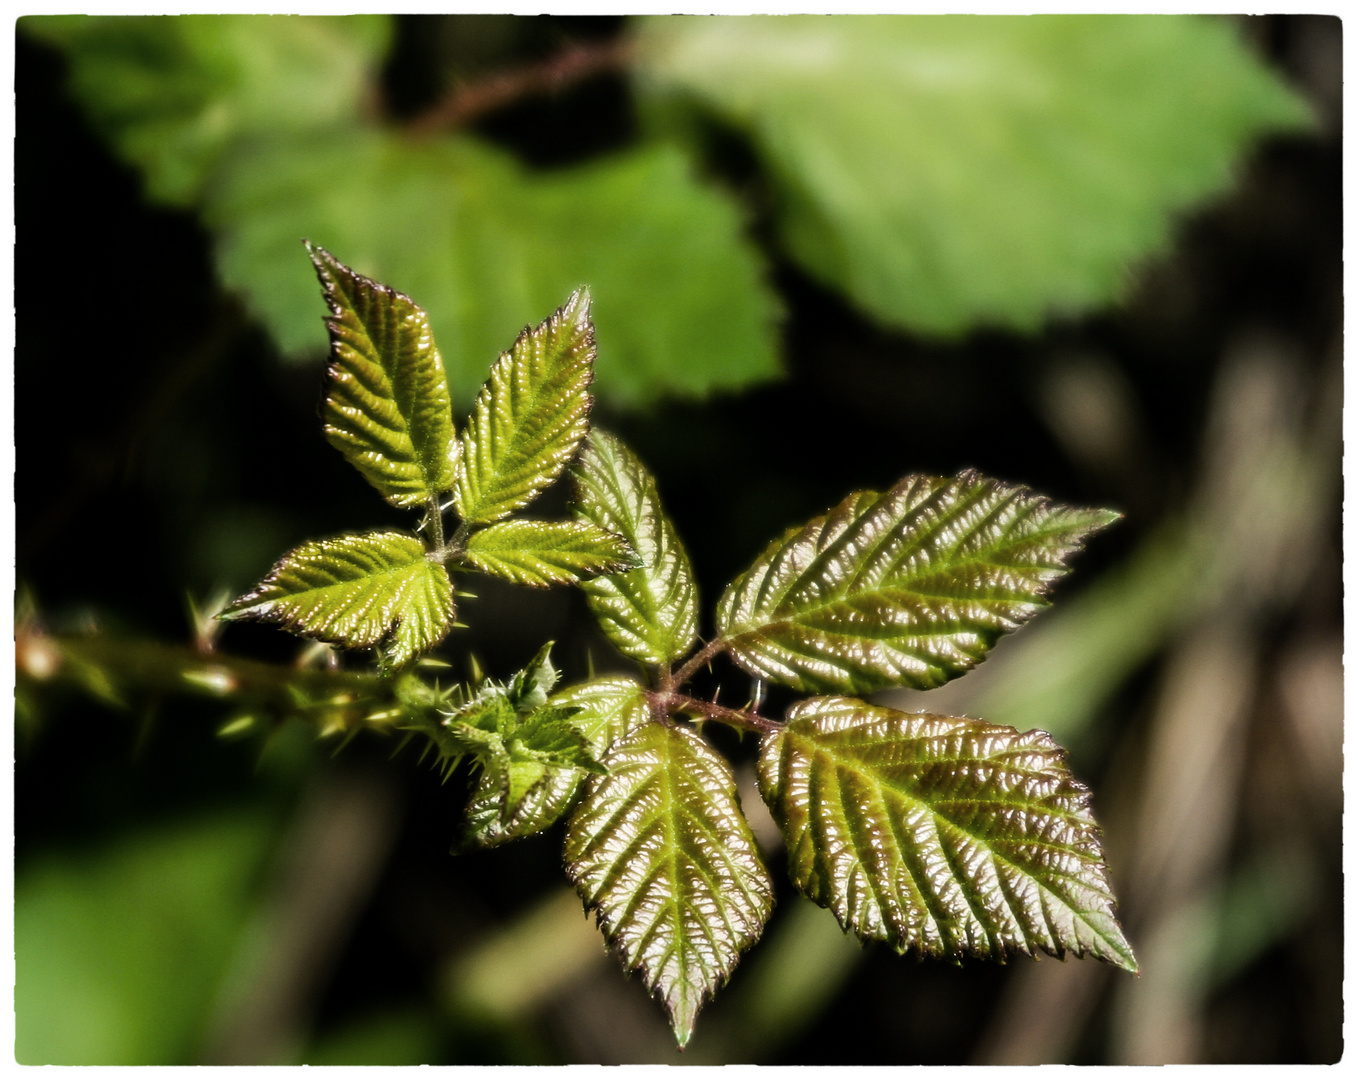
{"x": 173, "y": 95}
{"x": 650, "y": 613}
{"x": 358, "y": 591}
{"x": 610, "y": 708}
{"x": 529, "y": 417}
{"x": 660, "y": 850}
{"x": 949, "y": 171}
{"x": 547, "y": 552}
{"x": 386, "y": 408}
{"x": 948, "y": 836}
{"x": 487, "y": 245}
{"x": 907, "y": 588}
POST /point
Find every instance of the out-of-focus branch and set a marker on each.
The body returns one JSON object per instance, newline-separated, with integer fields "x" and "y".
{"x": 472, "y": 100}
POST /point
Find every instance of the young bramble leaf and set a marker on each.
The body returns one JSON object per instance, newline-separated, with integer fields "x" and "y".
{"x": 911, "y": 587}
{"x": 529, "y": 417}
{"x": 531, "y": 794}
{"x": 357, "y": 591}
{"x": 650, "y": 613}
{"x": 547, "y": 552}
{"x": 949, "y": 836}
{"x": 387, "y": 407}
{"x": 660, "y": 850}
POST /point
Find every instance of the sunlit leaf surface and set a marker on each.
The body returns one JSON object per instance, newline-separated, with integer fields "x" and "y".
{"x": 949, "y": 171}
{"x": 948, "y": 836}
{"x": 357, "y": 591}
{"x": 486, "y": 246}
{"x": 532, "y": 795}
{"x": 547, "y": 552}
{"x": 906, "y": 588}
{"x": 650, "y": 613}
{"x": 660, "y": 850}
{"x": 529, "y": 417}
{"x": 173, "y": 95}
{"x": 386, "y": 407}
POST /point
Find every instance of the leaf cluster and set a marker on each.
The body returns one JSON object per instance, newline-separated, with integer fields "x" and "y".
{"x": 941, "y": 835}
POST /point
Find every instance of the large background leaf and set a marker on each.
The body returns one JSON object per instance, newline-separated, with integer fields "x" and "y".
{"x": 386, "y": 407}
{"x": 945, "y": 171}
{"x": 486, "y": 246}
{"x": 173, "y": 94}
{"x": 948, "y": 836}
{"x": 906, "y": 588}
{"x": 659, "y": 848}
{"x": 650, "y": 613}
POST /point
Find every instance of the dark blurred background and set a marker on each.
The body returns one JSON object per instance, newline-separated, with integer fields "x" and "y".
{"x": 185, "y": 898}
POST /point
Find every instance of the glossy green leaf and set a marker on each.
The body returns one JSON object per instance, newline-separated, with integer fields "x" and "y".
{"x": 386, "y": 406}
{"x": 907, "y": 588}
{"x": 949, "y": 171}
{"x": 650, "y": 613}
{"x": 660, "y": 850}
{"x": 948, "y": 836}
{"x": 486, "y": 245}
{"x": 174, "y": 95}
{"x": 530, "y": 416}
{"x": 532, "y": 795}
{"x": 547, "y": 552}
{"x": 358, "y": 591}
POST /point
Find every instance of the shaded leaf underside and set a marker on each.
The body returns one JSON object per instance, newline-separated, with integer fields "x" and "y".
{"x": 357, "y": 591}
{"x": 911, "y": 587}
{"x": 660, "y": 850}
{"x": 387, "y": 407}
{"x": 650, "y": 613}
{"x": 948, "y": 836}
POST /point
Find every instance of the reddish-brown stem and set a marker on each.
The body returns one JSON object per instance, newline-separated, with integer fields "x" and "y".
{"x": 703, "y": 656}
{"x": 473, "y": 100}
{"x": 668, "y": 703}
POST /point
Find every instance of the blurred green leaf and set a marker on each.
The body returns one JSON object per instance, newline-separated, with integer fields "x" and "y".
{"x": 172, "y": 94}
{"x": 945, "y": 835}
{"x": 529, "y": 416}
{"x": 660, "y": 850}
{"x": 119, "y": 953}
{"x": 907, "y": 588}
{"x": 410, "y": 1036}
{"x": 650, "y": 613}
{"x": 357, "y": 591}
{"x": 482, "y": 241}
{"x": 386, "y": 407}
{"x": 949, "y": 171}
{"x": 547, "y": 552}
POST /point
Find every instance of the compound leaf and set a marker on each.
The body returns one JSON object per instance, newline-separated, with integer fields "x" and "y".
{"x": 358, "y": 591}
{"x": 650, "y": 613}
{"x": 532, "y": 795}
{"x": 530, "y": 416}
{"x": 547, "y": 552}
{"x": 950, "y": 171}
{"x": 911, "y": 587}
{"x": 948, "y": 836}
{"x": 386, "y": 407}
{"x": 659, "y": 848}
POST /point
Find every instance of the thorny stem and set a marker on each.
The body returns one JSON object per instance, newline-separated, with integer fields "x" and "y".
{"x": 471, "y": 101}
{"x": 668, "y": 702}
{"x": 703, "y": 656}
{"x": 435, "y": 523}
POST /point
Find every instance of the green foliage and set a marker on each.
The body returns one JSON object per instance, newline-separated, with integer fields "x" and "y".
{"x": 386, "y": 408}
{"x": 660, "y": 850}
{"x": 949, "y": 171}
{"x": 907, "y": 588}
{"x": 357, "y": 591}
{"x": 529, "y": 417}
{"x": 651, "y": 612}
{"x": 547, "y": 552}
{"x": 940, "y": 834}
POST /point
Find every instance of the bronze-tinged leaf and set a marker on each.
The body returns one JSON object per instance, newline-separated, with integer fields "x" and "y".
{"x": 947, "y": 836}
{"x": 907, "y": 588}
{"x": 529, "y": 417}
{"x": 387, "y": 407}
{"x": 660, "y": 850}
{"x": 357, "y": 591}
